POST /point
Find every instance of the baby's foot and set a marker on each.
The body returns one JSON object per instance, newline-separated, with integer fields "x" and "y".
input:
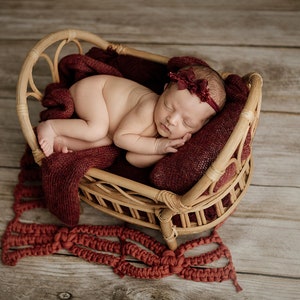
{"x": 46, "y": 136}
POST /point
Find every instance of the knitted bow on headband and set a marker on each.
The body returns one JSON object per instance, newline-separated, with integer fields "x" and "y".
{"x": 186, "y": 79}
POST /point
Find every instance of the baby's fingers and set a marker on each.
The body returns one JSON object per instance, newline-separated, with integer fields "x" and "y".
{"x": 187, "y": 137}
{"x": 174, "y": 144}
{"x": 171, "y": 150}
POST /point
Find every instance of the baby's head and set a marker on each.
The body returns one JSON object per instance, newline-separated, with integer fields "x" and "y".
{"x": 192, "y": 97}
{"x": 202, "y": 81}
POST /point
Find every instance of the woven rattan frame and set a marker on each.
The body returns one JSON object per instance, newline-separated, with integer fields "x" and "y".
{"x": 131, "y": 201}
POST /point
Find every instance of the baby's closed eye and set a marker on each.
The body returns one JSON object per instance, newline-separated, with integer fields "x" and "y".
{"x": 168, "y": 106}
{"x": 188, "y": 123}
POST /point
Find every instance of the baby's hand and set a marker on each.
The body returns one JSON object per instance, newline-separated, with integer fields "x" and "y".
{"x": 164, "y": 145}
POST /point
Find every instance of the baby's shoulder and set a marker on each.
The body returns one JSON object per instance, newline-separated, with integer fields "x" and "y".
{"x": 147, "y": 100}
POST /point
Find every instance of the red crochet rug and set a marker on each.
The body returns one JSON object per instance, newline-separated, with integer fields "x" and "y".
{"x": 91, "y": 243}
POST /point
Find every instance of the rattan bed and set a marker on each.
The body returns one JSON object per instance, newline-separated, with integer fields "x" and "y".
{"x": 129, "y": 200}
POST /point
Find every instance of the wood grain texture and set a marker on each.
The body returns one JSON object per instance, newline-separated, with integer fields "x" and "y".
{"x": 241, "y": 24}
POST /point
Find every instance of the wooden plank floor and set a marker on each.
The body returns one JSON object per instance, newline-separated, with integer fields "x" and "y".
{"x": 235, "y": 36}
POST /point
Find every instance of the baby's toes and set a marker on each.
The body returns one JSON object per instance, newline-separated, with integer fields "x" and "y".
{"x": 47, "y": 149}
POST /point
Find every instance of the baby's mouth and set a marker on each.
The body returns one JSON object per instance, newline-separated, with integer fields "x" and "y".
{"x": 164, "y": 127}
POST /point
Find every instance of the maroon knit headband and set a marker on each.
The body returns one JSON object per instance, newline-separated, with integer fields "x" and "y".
{"x": 186, "y": 79}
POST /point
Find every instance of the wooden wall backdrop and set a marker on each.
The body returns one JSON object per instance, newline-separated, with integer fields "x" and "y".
{"x": 235, "y": 36}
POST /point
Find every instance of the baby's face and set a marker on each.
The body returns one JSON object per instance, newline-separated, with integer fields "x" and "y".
{"x": 178, "y": 112}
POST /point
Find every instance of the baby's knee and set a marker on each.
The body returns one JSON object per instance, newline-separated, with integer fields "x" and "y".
{"x": 96, "y": 133}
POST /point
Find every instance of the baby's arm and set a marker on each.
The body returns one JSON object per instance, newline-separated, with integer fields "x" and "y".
{"x": 136, "y": 143}
{"x": 146, "y": 160}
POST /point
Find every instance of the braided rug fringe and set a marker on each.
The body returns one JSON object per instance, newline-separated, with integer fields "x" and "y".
{"x": 89, "y": 243}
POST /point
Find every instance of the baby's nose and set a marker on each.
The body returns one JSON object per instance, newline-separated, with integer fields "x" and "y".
{"x": 172, "y": 119}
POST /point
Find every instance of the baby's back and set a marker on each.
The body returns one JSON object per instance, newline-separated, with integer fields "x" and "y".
{"x": 121, "y": 96}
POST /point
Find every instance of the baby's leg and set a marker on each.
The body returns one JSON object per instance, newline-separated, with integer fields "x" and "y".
{"x": 64, "y": 144}
{"x": 90, "y": 107}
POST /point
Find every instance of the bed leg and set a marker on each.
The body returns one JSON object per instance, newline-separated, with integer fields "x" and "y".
{"x": 168, "y": 229}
